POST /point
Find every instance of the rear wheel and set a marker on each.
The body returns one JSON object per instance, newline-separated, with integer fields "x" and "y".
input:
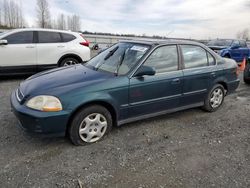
{"x": 68, "y": 61}
{"x": 90, "y": 125}
{"x": 215, "y": 98}
{"x": 247, "y": 74}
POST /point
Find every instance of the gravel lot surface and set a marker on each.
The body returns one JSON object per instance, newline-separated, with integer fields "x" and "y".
{"x": 191, "y": 148}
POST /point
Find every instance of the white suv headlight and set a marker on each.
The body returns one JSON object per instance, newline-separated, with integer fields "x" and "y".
{"x": 45, "y": 103}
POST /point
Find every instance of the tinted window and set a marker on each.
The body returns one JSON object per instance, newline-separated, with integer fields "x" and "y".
{"x": 220, "y": 42}
{"x": 25, "y": 37}
{"x": 164, "y": 59}
{"x": 67, "y": 37}
{"x": 210, "y": 58}
{"x": 49, "y": 37}
{"x": 236, "y": 43}
{"x": 243, "y": 44}
{"x": 194, "y": 56}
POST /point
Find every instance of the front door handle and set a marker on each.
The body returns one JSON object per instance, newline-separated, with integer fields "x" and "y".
{"x": 176, "y": 81}
{"x": 30, "y": 46}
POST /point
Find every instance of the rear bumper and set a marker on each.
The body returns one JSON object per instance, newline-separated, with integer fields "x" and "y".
{"x": 232, "y": 86}
{"x": 39, "y": 122}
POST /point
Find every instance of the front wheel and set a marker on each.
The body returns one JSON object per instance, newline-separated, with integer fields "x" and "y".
{"x": 215, "y": 98}
{"x": 90, "y": 125}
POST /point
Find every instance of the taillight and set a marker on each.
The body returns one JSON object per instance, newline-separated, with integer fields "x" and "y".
{"x": 237, "y": 71}
{"x": 85, "y": 42}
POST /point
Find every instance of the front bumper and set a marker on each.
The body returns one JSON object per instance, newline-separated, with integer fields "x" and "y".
{"x": 39, "y": 122}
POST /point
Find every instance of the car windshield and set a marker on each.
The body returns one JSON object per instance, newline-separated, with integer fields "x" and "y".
{"x": 220, "y": 43}
{"x": 118, "y": 59}
{"x": 4, "y": 32}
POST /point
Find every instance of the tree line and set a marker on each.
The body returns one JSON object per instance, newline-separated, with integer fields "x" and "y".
{"x": 11, "y": 16}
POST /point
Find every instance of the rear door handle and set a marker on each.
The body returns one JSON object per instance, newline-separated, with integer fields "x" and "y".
{"x": 213, "y": 74}
{"x": 176, "y": 81}
{"x": 60, "y": 46}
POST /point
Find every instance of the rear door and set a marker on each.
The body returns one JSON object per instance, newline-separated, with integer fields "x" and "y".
{"x": 50, "y": 48}
{"x": 152, "y": 94}
{"x": 198, "y": 75}
{"x": 20, "y": 52}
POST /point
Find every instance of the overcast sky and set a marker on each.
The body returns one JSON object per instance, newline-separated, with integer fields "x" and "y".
{"x": 172, "y": 18}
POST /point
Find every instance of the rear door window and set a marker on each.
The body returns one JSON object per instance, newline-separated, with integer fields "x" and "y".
{"x": 194, "y": 56}
{"x": 25, "y": 37}
{"x": 49, "y": 37}
{"x": 67, "y": 37}
{"x": 243, "y": 44}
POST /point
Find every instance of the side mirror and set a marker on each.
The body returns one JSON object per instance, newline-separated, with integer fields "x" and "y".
{"x": 144, "y": 70}
{"x": 235, "y": 46}
{"x": 3, "y": 42}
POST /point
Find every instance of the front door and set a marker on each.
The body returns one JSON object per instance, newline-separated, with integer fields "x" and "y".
{"x": 152, "y": 94}
{"x": 236, "y": 53}
{"x": 19, "y": 55}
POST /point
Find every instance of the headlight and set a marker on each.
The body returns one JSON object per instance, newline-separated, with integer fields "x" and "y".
{"x": 45, "y": 103}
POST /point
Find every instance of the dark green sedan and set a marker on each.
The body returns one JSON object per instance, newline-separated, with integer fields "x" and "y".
{"x": 130, "y": 81}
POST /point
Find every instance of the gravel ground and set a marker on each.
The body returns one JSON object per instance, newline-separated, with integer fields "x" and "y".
{"x": 191, "y": 148}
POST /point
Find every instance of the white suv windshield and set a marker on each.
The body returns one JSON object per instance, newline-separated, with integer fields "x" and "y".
{"x": 118, "y": 59}
{"x": 5, "y": 32}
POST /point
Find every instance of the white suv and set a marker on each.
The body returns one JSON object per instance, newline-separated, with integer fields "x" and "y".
{"x": 25, "y": 51}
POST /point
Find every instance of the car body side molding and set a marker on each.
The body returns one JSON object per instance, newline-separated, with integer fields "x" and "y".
{"x": 129, "y": 120}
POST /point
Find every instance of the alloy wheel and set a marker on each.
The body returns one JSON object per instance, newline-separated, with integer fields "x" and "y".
{"x": 216, "y": 98}
{"x": 93, "y": 127}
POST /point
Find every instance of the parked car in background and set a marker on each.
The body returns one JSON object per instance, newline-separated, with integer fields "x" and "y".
{"x": 130, "y": 81}
{"x": 248, "y": 44}
{"x": 229, "y": 48}
{"x": 26, "y": 51}
{"x": 246, "y": 76}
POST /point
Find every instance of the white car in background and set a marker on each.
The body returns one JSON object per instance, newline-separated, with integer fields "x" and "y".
{"x": 26, "y": 51}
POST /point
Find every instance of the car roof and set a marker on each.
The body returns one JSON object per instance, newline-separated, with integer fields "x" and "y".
{"x": 163, "y": 42}
{"x": 41, "y": 29}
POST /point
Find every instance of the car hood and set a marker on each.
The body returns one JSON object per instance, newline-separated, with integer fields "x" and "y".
{"x": 218, "y": 47}
{"x": 65, "y": 77}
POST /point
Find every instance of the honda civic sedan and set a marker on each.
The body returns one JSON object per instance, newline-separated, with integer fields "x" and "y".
{"x": 130, "y": 81}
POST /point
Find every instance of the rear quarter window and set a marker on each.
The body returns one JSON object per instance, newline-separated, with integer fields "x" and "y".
{"x": 211, "y": 59}
{"x": 67, "y": 37}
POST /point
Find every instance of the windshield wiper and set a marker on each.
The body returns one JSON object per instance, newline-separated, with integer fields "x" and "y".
{"x": 111, "y": 52}
{"x": 120, "y": 63}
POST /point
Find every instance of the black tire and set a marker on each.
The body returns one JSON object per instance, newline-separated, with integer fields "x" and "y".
{"x": 208, "y": 106}
{"x": 247, "y": 74}
{"x": 67, "y": 61}
{"x": 79, "y": 121}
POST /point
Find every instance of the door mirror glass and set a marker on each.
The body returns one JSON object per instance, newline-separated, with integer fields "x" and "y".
{"x": 144, "y": 70}
{"x": 3, "y": 42}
